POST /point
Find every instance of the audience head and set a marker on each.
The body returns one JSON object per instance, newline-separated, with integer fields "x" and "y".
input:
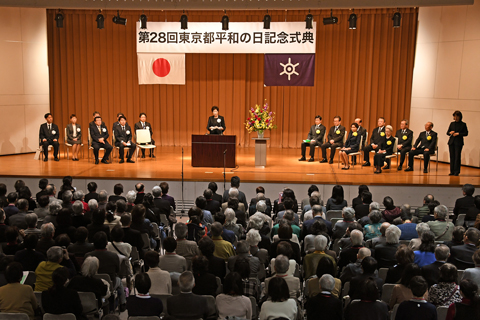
{"x": 195, "y": 215}
{"x": 256, "y": 221}
{"x": 422, "y": 228}
{"x": 314, "y": 199}
{"x": 374, "y": 206}
{"x": 431, "y": 207}
{"x": 384, "y": 227}
{"x": 208, "y": 194}
{"x": 369, "y": 289}
{"x": 419, "y": 286}
{"x": 348, "y": 214}
{"x": 55, "y": 254}
{"x": 78, "y": 195}
{"x": 337, "y": 194}
{"x": 22, "y": 204}
{"x": 31, "y": 220}
{"x": 125, "y": 220}
{"x": 441, "y": 212}
{"x": 442, "y": 252}
{"x": 317, "y": 210}
{"x": 253, "y": 237}
{"x": 164, "y": 186}
{"x": 59, "y": 278}
{"x": 103, "y": 196}
{"x": 143, "y": 283}
{"x": 242, "y": 247}
{"x": 319, "y": 227}
{"x": 285, "y": 248}
{"x": 261, "y": 196}
{"x": 90, "y": 266}
{"x": 181, "y": 230}
{"x": 152, "y": 259}
{"x": 54, "y": 207}
{"x": 140, "y": 187}
{"x": 320, "y": 243}
{"x": 278, "y": 289}
{"x": 469, "y": 290}
{"x": 62, "y": 240}
{"x": 92, "y": 204}
{"x": 448, "y": 273}
{"x": 213, "y": 186}
{"x": 235, "y": 182}
{"x": 261, "y": 206}
{"x": 117, "y": 233}
{"x": 216, "y": 229}
{"x": 356, "y": 237}
{"x": 281, "y": 264}
{"x": 131, "y": 196}
{"x": 393, "y": 234}
{"x": 406, "y": 214}
{"x": 11, "y": 234}
{"x": 138, "y": 213}
{"x": 100, "y": 240}
{"x": 77, "y": 208}
{"x": 404, "y": 255}
{"x": 64, "y": 217}
{"x": 477, "y": 201}
{"x": 369, "y": 265}
{"x": 30, "y": 241}
{"x": 468, "y": 189}
{"x": 232, "y": 284}
{"x": 327, "y": 283}
{"x": 42, "y": 183}
{"x": 242, "y": 266}
{"x": 201, "y": 202}
{"x": 388, "y": 203}
{"x": 121, "y": 206}
{"x": 169, "y": 244}
{"x": 47, "y": 230}
{"x": 199, "y": 265}
{"x": 472, "y": 235}
{"x": 285, "y": 231}
{"x": 288, "y": 193}
{"x": 411, "y": 270}
{"x": 206, "y": 246}
{"x": 363, "y": 252}
{"x": 98, "y": 216}
{"x": 92, "y": 186}
{"x": 43, "y": 201}
{"x": 311, "y": 189}
{"x": 367, "y": 197}
{"x": 14, "y": 272}
{"x": 428, "y": 242}
{"x": 220, "y": 217}
{"x": 233, "y": 193}
{"x": 50, "y": 190}
{"x": 458, "y": 233}
{"x": 361, "y": 189}
{"x": 375, "y": 216}
{"x": 81, "y": 234}
{"x": 325, "y": 266}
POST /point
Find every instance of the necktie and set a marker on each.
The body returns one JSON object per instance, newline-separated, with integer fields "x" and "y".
{"x": 49, "y": 127}
{"x": 379, "y": 129}
{"x": 336, "y": 128}
{"x": 143, "y": 125}
{"x": 123, "y": 128}
{"x": 99, "y": 130}
{"x": 403, "y": 132}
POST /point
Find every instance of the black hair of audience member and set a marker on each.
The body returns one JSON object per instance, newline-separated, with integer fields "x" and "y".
{"x": 148, "y": 201}
{"x": 314, "y": 200}
{"x": 42, "y": 183}
{"x": 164, "y": 186}
{"x": 285, "y": 248}
{"x": 169, "y": 244}
{"x": 369, "y": 265}
{"x": 117, "y": 234}
{"x": 388, "y": 203}
{"x": 100, "y": 240}
{"x": 220, "y": 217}
{"x": 4, "y": 262}
{"x": 476, "y": 200}
{"x": 367, "y": 197}
{"x": 3, "y": 189}
{"x": 67, "y": 183}
{"x": 43, "y": 201}
{"x": 404, "y": 255}
{"x": 418, "y": 285}
{"x": 411, "y": 270}
{"x": 125, "y": 220}
{"x": 406, "y": 215}
{"x": 18, "y": 185}
{"x": 195, "y": 215}
{"x": 428, "y": 242}
{"x": 470, "y": 290}
{"x": 325, "y": 266}
{"x": 369, "y": 290}
{"x": 288, "y": 203}
{"x": 143, "y": 283}
{"x": 64, "y": 217}
{"x": 151, "y": 259}
{"x": 235, "y": 182}
{"x": 121, "y": 206}
{"x": 12, "y": 197}
{"x": 285, "y": 232}
{"x": 288, "y": 193}
{"x": 62, "y": 240}
{"x": 361, "y": 189}
{"x": 233, "y": 203}
{"x": 59, "y": 278}
{"x": 14, "y": 272}
{"x": 110, "y": 206}
{"x": 98, "y": 216}
{"x": 118, "y": 189}
{"x": 338, "y": 194}
{"x": 448, "y": 273}
{"x": 216, "y": 229}
{"x": 259, "y": 189}
{"x": 213, "y": 186}
{"x": 375, "y": 218}
{"x": 432, "y": 205}
{"x": 319, "y": 227}
{"x": 92, "y": 186}
{"x": 208, "y": 194}
{"x": 201, "y": 202}
{"x": 468, "y": 189}
{"x": 140, "y": 187}
{"x": 206, "y": 246}
{"x": 473, "y": 235}
{"x": 355, "y": 226}
{"x": 24, "y": 193}
{"x": 199, "y": 265}
{"x": 81, "y": 234}
{"x": 138, "y": 213}
{"x": 30, "y": 241}
{"x": 242, "y": 266}
{"x": 11, "y": 234}
{"x": 278, "y": 290}
{"x": 232, "y": 284}
{"x": 311, "y": 189}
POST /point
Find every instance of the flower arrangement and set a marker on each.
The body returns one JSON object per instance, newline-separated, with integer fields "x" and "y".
{"x": 260, "y": 119}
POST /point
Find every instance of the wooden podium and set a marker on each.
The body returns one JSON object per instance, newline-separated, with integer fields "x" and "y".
{"x": 207, "y": 150}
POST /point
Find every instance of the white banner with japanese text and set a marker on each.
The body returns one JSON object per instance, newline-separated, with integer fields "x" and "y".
{"x": 241, "y": 37}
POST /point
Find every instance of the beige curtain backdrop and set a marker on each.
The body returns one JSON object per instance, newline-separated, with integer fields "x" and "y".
{"x": 363, "y": 73}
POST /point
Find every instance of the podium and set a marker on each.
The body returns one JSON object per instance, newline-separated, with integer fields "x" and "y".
{"x": 207, "y": 150}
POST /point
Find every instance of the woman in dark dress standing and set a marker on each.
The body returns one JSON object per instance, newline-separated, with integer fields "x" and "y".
{"x": 351, "y": 145}
{"x": 216, "y": 123}
{"x": 385, "y": 148}
{"x": 457, "y": 130}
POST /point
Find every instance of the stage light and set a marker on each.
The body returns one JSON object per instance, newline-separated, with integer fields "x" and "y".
{"x": 397, "y": 18}
{"x": 184, "y": 22}
{"x": 143, "y": 21}
{"x": 59, "y": 20}
{"x": 309, "y": 21}
{"x": 331, "y": 19}
{"x": 225, "y": 21}
{"x": 100, "y": 21}
{"x": 352, "y": 21}
{"x": 266, "y": 21}
{"x": 119, "y": 20}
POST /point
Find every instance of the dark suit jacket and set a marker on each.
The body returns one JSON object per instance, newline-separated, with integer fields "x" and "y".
{"x": 139, "y": 197}
{"x": 217, "y": 197}
{"x": 217, "y": 267}
{"x": 383, "y": 145}
{"x": 353, "y": 141}
{"x": 133, "y": 237}
{"x": 376, "y": 137}
{"x": 385, "y": 255}
{"x": 409, "y": 137}
{"x": 336, "y": 137}
{"x": 363, "y": 132}
{"x": 212, "y": 122}
{"x": 312, "y": 134}
{"x": 70, "y": 132}
{"x": 253, "y": 206}
{"x": 163, "y": 205}
{"x": 241, "y": 198}
{"x": 339, "y": 229}
{"x": 431, "y": 272}
{"x": 122, "y": 136}
{"x": 356, "y": 285}
{"x": 115, "y": 198}
{"x": 213, "y": 206}
{"x": 91, "y": 195}
{"x": 463, "y": 204}
{"x": 348, "y": 256}
{"x": 325, "y": 307}
{"x": 49, "y": 135}
{"x": 361, "y": 211}
{"x": 308, "y": 224}
{"x": 95, "y": 135}
{"x": 461, "y": 256}
{"x": 423, "y": 142}
{"x": 461, "y": 128}
{"x": 139, "y": 126}
{"x": 187, "y": 306}
{"x": 356, "y": 201}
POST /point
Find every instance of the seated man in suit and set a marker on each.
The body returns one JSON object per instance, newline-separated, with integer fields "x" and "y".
{"x": 315, "y": 135}
{"x": 49, "y": 134}
{"x": 187, "y": 305}
{"x": 99, "y": 134}
{"x": 281, "y": 268}
{"x": 369, "y": 267}
{"x": 144, "y": 125}
{"x": 123, "y": 139}
{"x": 260, "y": 195}
{"x": 378, "y": 136}
{"x": 462, "y": 256}
{"x": 431, "y": 272}
{"x": 425, "y": 144}
{"x": 474, "y": 273}
{"x": 405, "y": 139}
{"x": 363, "y": 133}
{"x": 95, "y": 114}
{"x": 116, "y": 124}
{"x": 324, "y": 305}
{"x": 235, "y": 184}
{"x": 334, "y": 139}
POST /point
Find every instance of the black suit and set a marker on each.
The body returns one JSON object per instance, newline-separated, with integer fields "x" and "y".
{"x": 405, "y": 139}
{"x": 385, "y": 255}
{"x": 96, "y": 144}
{"x": 461, "y": 256}
{"x": 213, "y": 206}
{"x": 241, "y": 198}
{"x": 455, "y": 144}
{"x": 49, "y": 136}
{"x": 218, "y": 198}
{"x": 356, "y": 285}
{"x": 187, "y": 306}
{"x": 423, "y": 142}
{"x": 431, "y": 272}
{"x": 133, "y": 237}
{"x": 212, "y": 122}
{"x": 145, "y": 125}
{"x": 462, "y": 205}
{"x": 124, "y": 134}
{"x": 387, "y": 144}
{"x": 324, "y": 306}
{"x": 363, "y": 133}
{"x": 378, "y": 136}
{"x": 315, "y": 135}
{"x": 163, "y": 205}
{"x": 337, "y": 134}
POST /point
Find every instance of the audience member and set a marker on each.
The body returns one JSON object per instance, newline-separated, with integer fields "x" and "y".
{"x": 285, "y": 234}
{"x": 403, "y": 257}
{"x": 31, "y": 221}
{"x": 85, "y": 281}
{"x": 431, "y": 272}
{"x": 462, "y": 205}
{"x": 462, "y": 256}
{"x": 362, "y": 209}
{"x": 223, "y": 249}
{"x": 197, "y": 305}
{"x": 408, "y": 228}
{"x": 355, "y": 268}
{"x": 442, "y": 229}
{"x": 81, "y": 246}
{"x": 385, "y": 253}
{"x": 216, "y": 266}
{"x": 253, "y": 238}
{"x": 13, "y": 243}
{"x": 350, "y": 255}
{"x": 235, "y": 184}
{"x": 64, "y": 224}
{"x": 417, "y": 308}
{"x": 11, "y": 208}
{"x": 260, "y": 195}
{"x": 369, "y": 267}
{"x": 117, "y": 245}
{"x": 142, "y": 304}
{"x": 457, "y": 237}
{"x": 425, "y": 254}
{"x": 171, "y": 261}
{"x": 339, "y": 229}
{"x": 185, "y": 248}
{"x": 134, "y": 237}
{"x": 402, "y": 292}
{"x": 318, "y": 228}
{"x": 16, "y": 297}
{"x": 42, "y": 184}
{"x": 474, "y": 273}
{"x": 368, "y": 308}
{"x": 325, "y": 305}
{"x": 232, "y": 303}
{"x": 416, "y": 242}
{"x": 257, "y": 270}
{"x": 56, "y": 258}
{"x": 231, "y": 223}
{"x": 473, "y": 212}
{"x": 431, "y": 214}
{"x": 18, "y": 219}
{"x": 212, "y": 205}
{"x": 28, "y": 257}
{"x": 469, "y": 307}
{"x": 311, "y": 260}
{"x": 92, "y": 192}
{"x": 382, "y": 239}
{"x": 47, "y": 230}
{"x": 325, "y": 266}
{"x": 251, "y": 286}
{"x": 42, "y": 209}
{"x": 280, "y": 304}
{"x": 281, "y": 268}
{"x": 97, "y": 225}
{"x": 160, "y": 279}
{"x": 446, "y": 291}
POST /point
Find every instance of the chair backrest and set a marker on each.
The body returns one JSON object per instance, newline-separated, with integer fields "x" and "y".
{"x": 442, "y": 313}
{"x": 253, "y": 301}
{"x": 113, "y": 137}
{"x": 212, "y": 307}
{"x": 382, "y": 273}
{"x": 460, "y": 275}
{"x": 346, "y": 288}
{"x": 105, "y": 277}
{"x": 143, "y": 136}
{"x": 155, "y": 229}
{"x": 65, "y": 136}
{"x": 164, "y": 219}
{"x": 219, "y": 285}
{"x": 387, "y": 290}
{"x": 406, "y": 242}
{"x": 164, "y": 298}
{"x": 335, "y": 220}
{"x": 333, "y": 214}
{"x": 394, "y": 311}
{"x": 89, "y": 137}
{"x": 14, "y": 316}
{"x": 63, "y": 316}
{"x": 395, "y": 145}
{"x": 460, "y": 219}
{"x": 146, "y": 241}
{"x": 345, "y": 136}
{"x": 89, "y": 302}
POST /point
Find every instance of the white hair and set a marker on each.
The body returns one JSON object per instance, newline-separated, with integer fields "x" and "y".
{"x": 357, "y": 237}
{"x": 156, "y": 191}
{"x": 253, "y": 237}
{"x": 77, "y": 207}
{"x": 256, "y": 221}
{"x": 327, "y": 283}
{"x": 374, "y": 206}
{"x": 348, "y": 213}
{"x": 320, "y": 243}
{"x": 233, "y": 192}
{"x": 186, "y": 281}
{"x": 230, "y": 216}
{"x": 54, "y": 207}
{"x": 92, "y": 204}
{"x": 441, "y": 211}
{"x": 421, "y": 228}
{"x": 131, "y": 196}
{"x": 393, "y": 234}
{"x": 261, "y": 206}
{"x": 90, "y": 266}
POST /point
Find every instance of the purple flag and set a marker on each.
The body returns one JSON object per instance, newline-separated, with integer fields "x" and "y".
{"x": 289, "y": 70}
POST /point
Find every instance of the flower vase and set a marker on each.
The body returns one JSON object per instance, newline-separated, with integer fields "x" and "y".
{"x": 260, "y": 134}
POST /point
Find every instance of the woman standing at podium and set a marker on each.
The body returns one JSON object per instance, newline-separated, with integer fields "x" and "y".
{"x": 216, "y": 123}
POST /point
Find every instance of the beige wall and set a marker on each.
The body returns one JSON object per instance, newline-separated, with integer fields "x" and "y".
{"x": 447, "y": 75}
{"x": 24, "y": 89}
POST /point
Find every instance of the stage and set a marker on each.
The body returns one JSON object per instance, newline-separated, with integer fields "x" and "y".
{"x": 282, "y": 167}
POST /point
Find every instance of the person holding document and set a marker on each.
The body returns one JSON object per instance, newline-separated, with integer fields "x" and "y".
{"x": 123, "y": 139}
{"x": 315, "y": 136}
{"x": 351, "y": 145}
{"x": 216, "y": 123}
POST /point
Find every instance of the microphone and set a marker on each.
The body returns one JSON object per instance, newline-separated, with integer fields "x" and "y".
{"x": 224, "y": 152}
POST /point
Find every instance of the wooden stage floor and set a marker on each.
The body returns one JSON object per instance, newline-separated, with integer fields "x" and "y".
{"x": 282, "y": 166}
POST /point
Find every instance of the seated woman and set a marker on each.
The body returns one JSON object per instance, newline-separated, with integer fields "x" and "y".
{"x": 446, "y": 291}
{"x": 469, "y": 307}
{"x": 232, "y": 302}
{"x": 425, "y": 255}
{"x": 13, "y": 243}
{"x": 351, "y": 145}
{"x": 402, "y": 292}
{"x": 385, "y": 148}
{"x": 368, "y": 308}
{"x": 404, "y": 256}
{"x": 216, "y": 123}
{"x": 142, "y": 304}
{"x": 74, "y": 136}
{"x": 279, "y": 304}
{"x": 98, "y": 219}
{"x": 372, "y": 230}
{"x": 56, "y": 258}
{"x": 16, "y": 297}
{"x": 205, "y": 282}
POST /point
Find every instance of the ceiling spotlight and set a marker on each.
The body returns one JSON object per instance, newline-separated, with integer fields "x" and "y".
{"x": 225, "y": 21}
{"x": 397, "y": 17}
{"x": 100, "y": 21}
{"x": 309, "y": 21}
{"x": 352, "y": 21}
{"x": 266, "y": 21}
{"x": 331, "y": 19}
{"x": 119, "y": 20}
{"x": 143, "y": 21}
{"x": 184, "y": 22}
{"x": 59, "y": 19}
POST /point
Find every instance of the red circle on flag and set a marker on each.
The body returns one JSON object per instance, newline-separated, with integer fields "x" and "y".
{"x": 161, "y": 67}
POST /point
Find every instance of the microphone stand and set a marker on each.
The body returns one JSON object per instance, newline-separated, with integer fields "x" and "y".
{"x": 183, "y": 201}
{"x": 224, "y": 166}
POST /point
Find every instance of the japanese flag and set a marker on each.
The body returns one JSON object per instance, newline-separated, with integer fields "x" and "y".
{"x": 161, "y": 68}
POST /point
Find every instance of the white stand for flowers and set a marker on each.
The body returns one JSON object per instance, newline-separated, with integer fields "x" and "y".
{"x": 260, "y": 152}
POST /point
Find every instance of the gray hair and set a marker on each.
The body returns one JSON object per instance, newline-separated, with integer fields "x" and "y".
{"x": 256, "y": 221}
{"x": 131, "y": 196}
{"x": 253, "y": 237}
{"x": 242, "y": 247}
{"x": 441, "y": 211}
{"x": 356, "y": 236}
{"x": 156, "y": 191}
{"x": 374, "y": 206}
{"x": 67, "y": 196}
{"x": 77, "y": 207}
{"x": 320, "y": 243}
{"x": 186, "y": 281}
{"x": 281, "y": 264}
{"x": 54, "y": 207}
{"x": 406, "y": 208}
{"x": 316, "y": 194}
{"x": 181, "y": 230}
{"x": 393, "y": 234}
{"x": 54, "y": 254}
{"x": 31, "y": 220}
{"x": 348, "y": 213}
{"x": 364, "y": 252}
{"x": 327, "y": 283}
{"x": 47, "y": 230}
{"x": 230, "y": 216}
{"x": 78, "y": 195}
{"x": 316, "y": 210}
{"x": 90, "y": 266}
{"x": 260, "y": 196}
{"x": 421, "y": 228}
{"x": 233, "y": 193}
{"x": 22, "y": 204}
{"x": 93, "y": 204}
{"x": 375, "y": 216}
{"x": 442, "y": 252}
{"x": 261, "y": 206}
{"x": 103, "y": 196}
{"x": 389, "y": 127}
